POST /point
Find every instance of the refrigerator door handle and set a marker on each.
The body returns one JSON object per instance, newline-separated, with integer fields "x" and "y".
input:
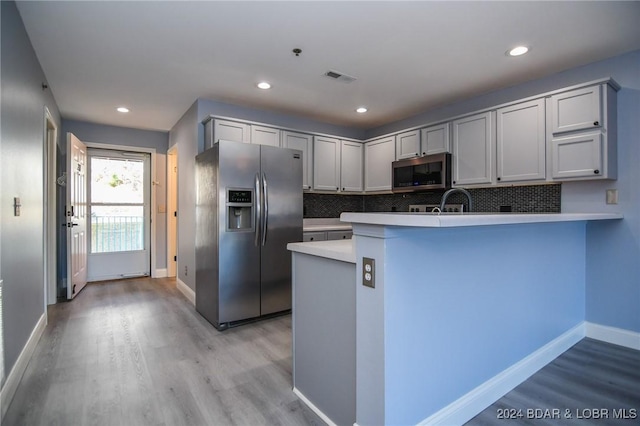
{"x": 258, "y": 209}
{"x": 265, "y": 213}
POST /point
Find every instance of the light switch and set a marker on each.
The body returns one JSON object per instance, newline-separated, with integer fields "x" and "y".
{"x": 612, "y": 196}
{"x": 162, "y": 208}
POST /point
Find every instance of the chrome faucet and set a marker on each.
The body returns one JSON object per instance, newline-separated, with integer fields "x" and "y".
{"x": 451, "y": 191}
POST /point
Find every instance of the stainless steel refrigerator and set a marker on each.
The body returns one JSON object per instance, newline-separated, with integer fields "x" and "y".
{"x": 248, "y": 207}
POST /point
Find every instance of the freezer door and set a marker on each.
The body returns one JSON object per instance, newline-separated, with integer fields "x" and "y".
{"x": 282, "y": 184}
{"x": 238, "y": 254}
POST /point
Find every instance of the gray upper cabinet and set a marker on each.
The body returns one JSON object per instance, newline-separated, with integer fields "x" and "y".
{"x": 303, "y": 143}
{"x": 378, "y": 156}
{"x": 351, "y": 166}
{"x": 261, "y": 135}
{"x": 326, "y": 163}
{"x": 231, "y": 131}
{"x": 520, "y": 143}
{"x": 583, "y": 139}
{"x": 473, "y": 150}
{"x": 435, "y": 139}
{"x": 579, "y": 109}
{"x": 408, "y": 144}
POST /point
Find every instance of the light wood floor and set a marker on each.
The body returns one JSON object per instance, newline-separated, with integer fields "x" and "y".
{"x": 585, "y": 385}
{"x": 135, "y": 352}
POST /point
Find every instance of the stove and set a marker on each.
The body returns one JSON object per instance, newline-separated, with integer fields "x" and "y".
{"x": 427, "y": 208}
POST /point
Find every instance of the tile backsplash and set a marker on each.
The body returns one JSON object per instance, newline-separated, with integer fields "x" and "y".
{"x": 520, "y": 199}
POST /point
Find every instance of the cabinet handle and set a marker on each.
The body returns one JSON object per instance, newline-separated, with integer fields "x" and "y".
{"x": 311, "y": 239}
{"x": 343, "y": 189}
{"x": 596, "y": 171}
{"x": 337, "y": 189}
{"x": 498, "y": 178}
{"x": 596, "y": 123}
{"x": 454, "y": 182}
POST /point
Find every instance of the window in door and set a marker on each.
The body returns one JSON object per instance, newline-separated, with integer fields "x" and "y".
{"x": 119, "y": 194}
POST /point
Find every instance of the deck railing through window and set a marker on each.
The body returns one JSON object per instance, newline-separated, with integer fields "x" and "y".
{"x": 116, "y": 233}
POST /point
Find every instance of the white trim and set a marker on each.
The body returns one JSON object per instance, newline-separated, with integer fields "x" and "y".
{"x": 172, "y": 206}
{"x": 186, "y": 291}
{"x": 617, "y": 336}
{"x": 152, "y": 208}
{"x": 474, "y": 402}
{"x": 49, "y": 217}
{"x": 313, "y": 408}
{"x": 15, "y": 376}
{"x": 160, "y": 273}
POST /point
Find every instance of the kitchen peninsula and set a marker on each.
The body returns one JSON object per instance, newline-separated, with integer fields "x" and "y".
{"x": 463, "y": 308}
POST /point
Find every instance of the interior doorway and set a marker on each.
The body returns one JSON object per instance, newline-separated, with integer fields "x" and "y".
{"x": 119, "y": 243}
{"x": 172, "y": 211}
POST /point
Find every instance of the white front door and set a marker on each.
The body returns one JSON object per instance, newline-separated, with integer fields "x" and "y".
{"x": 76, "y": 215}
{"x": 120, "y": 197}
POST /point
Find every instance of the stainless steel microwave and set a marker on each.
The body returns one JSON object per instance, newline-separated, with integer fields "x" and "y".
{"x": 421, "y": 173}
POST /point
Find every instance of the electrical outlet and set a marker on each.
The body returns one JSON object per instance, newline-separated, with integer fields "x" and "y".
{"x": 612, "y": 196}
{"x": 368, "y": 272}
{"x": 186, "y": 271}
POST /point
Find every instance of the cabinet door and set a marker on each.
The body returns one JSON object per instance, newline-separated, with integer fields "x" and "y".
{"x": 326, "y": 163}
{"x": 521, "y": 142}
{"x": 314, "y": 236}
{"x": 303, "y": 143}
{"x": 577, "y": 156}
{"x": 576, "y": 110}
{"x": 378, "y": 156}
{"x": 351, "y": 166}
{"x": 435, "y": 139}
{"x": 408, "y": 144}
{"x": 339, "y": 235}
{"x": 265, "y": 136}
{"x": 473, "y": 150}
{"x": 231, "y": 131}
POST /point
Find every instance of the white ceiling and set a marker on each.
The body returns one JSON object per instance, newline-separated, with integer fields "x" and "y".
{"x": 157, "y": 58}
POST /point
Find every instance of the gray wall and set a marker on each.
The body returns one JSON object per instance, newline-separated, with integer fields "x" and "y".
{"x": 184, "y": 135}
{"x": 113, "y": 135}
{"x": 22, "y": 156}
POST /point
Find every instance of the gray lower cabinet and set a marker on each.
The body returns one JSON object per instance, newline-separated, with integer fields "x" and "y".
{"x": 314, "y": 236}
{"x": 326, "y": 235}
{"x": 324, "y": 335}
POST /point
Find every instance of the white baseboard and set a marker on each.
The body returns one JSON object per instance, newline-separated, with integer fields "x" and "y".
{"x": 15, "y": 375}
{"x": 617, "y": 336}
{"x": 313, "y": 408}
{"x": 186, "y": 291}
{"x": 161, "y": 273}
{"x": 474, "y": 402}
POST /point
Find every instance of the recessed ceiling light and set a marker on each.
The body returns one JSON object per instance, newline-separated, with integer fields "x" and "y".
{"x": 122, "y": 109}
{"x": 361, "y": 110}
{"x": 264, "y": 85}
{"x": 517, "y": 51}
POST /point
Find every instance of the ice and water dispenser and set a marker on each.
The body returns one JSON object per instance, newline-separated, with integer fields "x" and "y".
{"x": 239, "y": 209}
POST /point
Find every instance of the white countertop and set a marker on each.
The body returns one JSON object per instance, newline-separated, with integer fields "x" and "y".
{"x": 444, "y": 220}
{"x": 341, "y": 250}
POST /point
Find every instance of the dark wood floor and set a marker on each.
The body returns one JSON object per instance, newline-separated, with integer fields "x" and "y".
{"x": 135, "y": 352}
{"x": 590, "y": 384}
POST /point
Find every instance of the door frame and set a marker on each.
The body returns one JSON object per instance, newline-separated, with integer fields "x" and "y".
{"x": 50, "y": 142}
{"x": 152, "y": 207}
{"x": 172, "y": 206}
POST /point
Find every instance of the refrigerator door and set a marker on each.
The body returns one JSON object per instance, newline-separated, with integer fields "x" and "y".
{"x": 238, "y": 255}
{"x": 282, "y": 211}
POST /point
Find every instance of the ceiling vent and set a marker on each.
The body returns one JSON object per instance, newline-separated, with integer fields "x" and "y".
{"x": 335, "y": 75}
